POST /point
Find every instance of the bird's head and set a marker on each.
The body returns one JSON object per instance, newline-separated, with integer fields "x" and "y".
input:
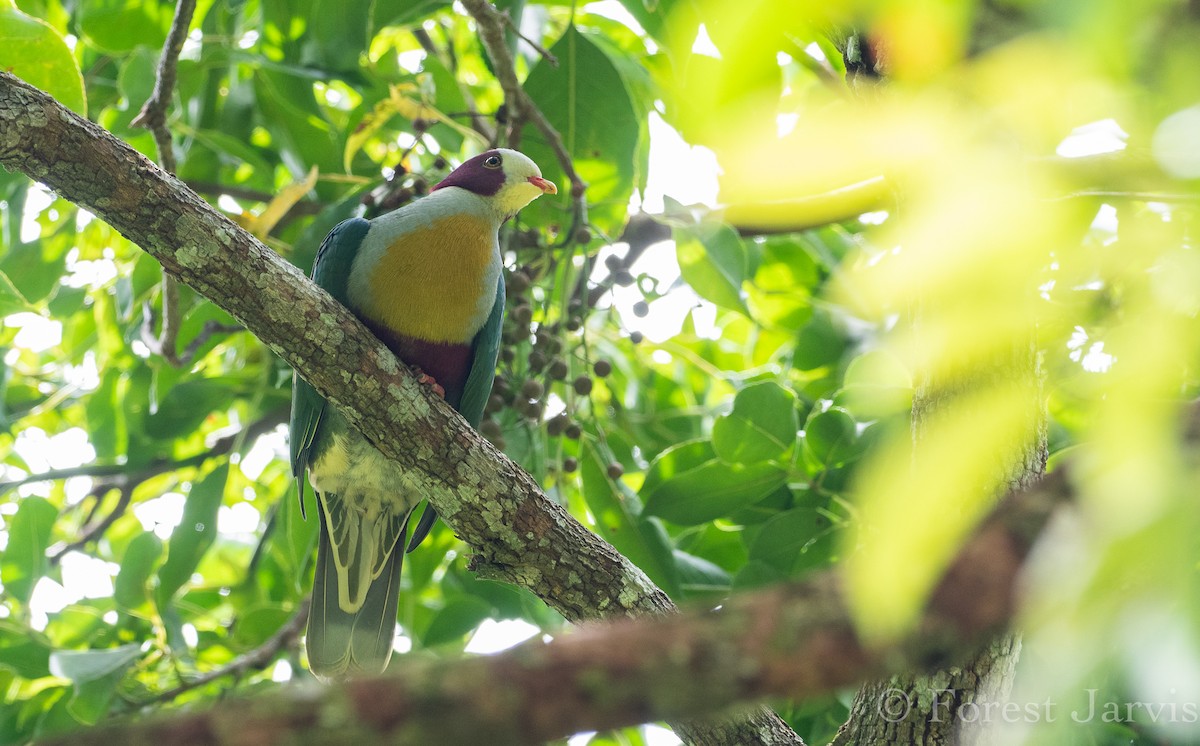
{"x": 508, "y": 179}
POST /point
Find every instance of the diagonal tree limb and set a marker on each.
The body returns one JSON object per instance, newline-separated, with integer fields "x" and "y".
{"x": 794, "y": 640}
{"x": 483, "y": 496}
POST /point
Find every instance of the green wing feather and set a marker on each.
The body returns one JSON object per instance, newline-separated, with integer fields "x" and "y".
{"x": 331, "y": 271}
{"x": 485, "y": 350}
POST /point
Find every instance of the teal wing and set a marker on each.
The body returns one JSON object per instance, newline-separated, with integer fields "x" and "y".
{"x": 485, "y": 350}
{"x": 331, "y": 270}
{"x": 341, "y": 643}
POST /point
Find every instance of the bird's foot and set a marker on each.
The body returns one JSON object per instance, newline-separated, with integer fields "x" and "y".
{"x": 427, "y": 380}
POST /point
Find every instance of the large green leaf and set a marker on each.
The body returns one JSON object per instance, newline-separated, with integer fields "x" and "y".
{"x": 711, "y": 490}
{"x": 456, "y": 619}
{"x": 94, "y": 674}
{"x": 23, "y": 651}
{"x": 24, "y": 559}
{"x": 33, "y": 51}
{"x": 587, "y": 101}
{"x": 830, "y": 436}
{"x": 194, "y": 534}
{"x": 121, "y": 25}
{"x": 761, "y": 427}
{"x": 712, "y": 259}
{"x": 130, "y": 589}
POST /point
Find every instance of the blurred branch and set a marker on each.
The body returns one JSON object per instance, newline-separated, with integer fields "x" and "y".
{"x": 94, "y": 529}
{"x": 794, "y": 640}
{"x": 220, "y": 447}
{"x": 120, "y": 477}
{"x": 485, "y": 498}
{"x": 254, "y": 660}
{"x": 490, "y": 24}
{"x": 478, "y": 122}
{"x": 153, "y": 117}
{"x": 641, "y": 232}
{"x": 542, "y": 51}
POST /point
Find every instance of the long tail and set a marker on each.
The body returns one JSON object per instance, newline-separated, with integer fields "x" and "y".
{"x": 342, "y": 644}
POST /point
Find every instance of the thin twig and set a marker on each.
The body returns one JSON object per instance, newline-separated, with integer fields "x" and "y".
{"x": 153, "y": 117}
{"x": 209, "y": 329}
{"x": 254, "y": 660}
{"x": 95, "y": 529}
{"x": 542, "y": 51}
{"x": 490, "y": 23}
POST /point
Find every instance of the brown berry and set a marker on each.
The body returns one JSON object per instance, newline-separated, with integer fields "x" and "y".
{"x": 641, "y": 309}
{"x": 574, "y": 324}
{"x": 615, "y": 471}
{"x": 494, "y": 404}
{"x": 490, "y": 429}
{"x": 612, "y": 262}
{"x": 555, "y": 425}
{"x": 522, "y": 314}
{"x": 573, "y": 431}
{"x": 602, "y": 368}
{"x": 518, "y": 282}
{"x": 583, "y": 385}
{"x": 583, "y": 235}
{"x": 537, "y": 361}
{"x": 636, "y": 337}
{"x": 558, "y": 369}
{"x": 532, "y": 389}
{"x": 569, "y": 465}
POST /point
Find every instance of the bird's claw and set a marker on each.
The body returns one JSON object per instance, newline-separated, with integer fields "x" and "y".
{"x": 427, "y": 380}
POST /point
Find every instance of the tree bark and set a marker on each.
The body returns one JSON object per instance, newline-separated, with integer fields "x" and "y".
{"x": 519, "y": 535}
{"x": 928, "y": 709}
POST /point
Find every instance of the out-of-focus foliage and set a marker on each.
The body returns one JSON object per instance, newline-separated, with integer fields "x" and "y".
{"x": 1028, "y": 170}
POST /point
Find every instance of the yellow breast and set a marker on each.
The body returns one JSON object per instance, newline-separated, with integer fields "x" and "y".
{"x": 437, "y": 283}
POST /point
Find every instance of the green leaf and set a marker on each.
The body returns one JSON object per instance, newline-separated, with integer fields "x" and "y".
{"x": 830, "y": 436}
{"x": 11, "y": 300}
{"x": 23, "y": 651}
{"x": 712, "y": 259}
{"x": 33, "y": 51}
{"x": 698, "y": 575}
{"x": 24, "y": 560}
{"x": 780, "y": 295}
{"x": 617, "y": 511}
{"x": 185, "y": 407}
{"x": 194, "y": 534}
{"x": 586, "y": 99}
{"x": 455, "y": 620}
{"x": 121, "y": 25}
{"x": 95, "y": 674}
{"x": 782, "y": 540}
{"x": 761, "y": 427}
{"x": 712, "y": 490}
{"x": 130, "y": 589}
{"x": 819, "y": 343}
{"x": 81, "y": 666}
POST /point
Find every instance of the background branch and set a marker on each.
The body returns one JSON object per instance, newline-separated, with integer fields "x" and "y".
{"x": 794, "y": 640}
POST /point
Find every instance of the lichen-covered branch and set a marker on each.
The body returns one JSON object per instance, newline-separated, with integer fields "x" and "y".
{"x": 792, "y": 640}
{"x": 483, "y": 496}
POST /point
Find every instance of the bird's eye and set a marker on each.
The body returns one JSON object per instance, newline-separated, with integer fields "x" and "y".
{"x": 492, "y": 161}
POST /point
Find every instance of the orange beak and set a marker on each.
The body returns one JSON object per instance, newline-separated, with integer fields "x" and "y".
{"x": 545, "y": 185}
